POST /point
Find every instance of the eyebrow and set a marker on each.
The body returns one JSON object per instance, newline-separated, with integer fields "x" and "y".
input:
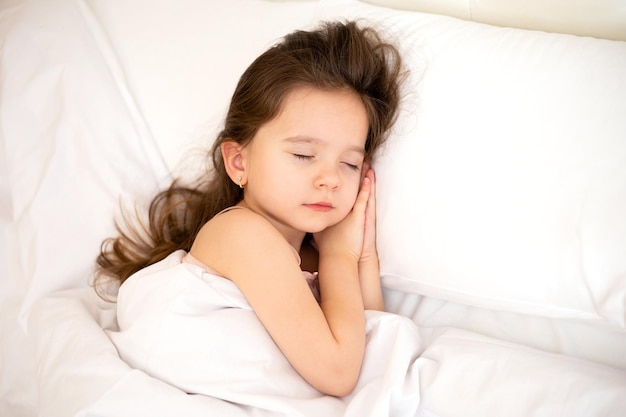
{"x": 313, "y": 140}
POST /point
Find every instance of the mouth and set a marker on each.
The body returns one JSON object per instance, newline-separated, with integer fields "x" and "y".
{"x": 319, "y": 206}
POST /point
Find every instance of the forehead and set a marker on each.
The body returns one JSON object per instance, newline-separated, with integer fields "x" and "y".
{"x": 310, "y": 115}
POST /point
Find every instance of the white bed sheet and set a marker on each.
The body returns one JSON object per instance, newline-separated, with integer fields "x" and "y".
{"x": 73, "y": 352}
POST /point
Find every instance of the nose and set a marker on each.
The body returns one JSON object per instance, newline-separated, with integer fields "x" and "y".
{"x": 328, "y": 176}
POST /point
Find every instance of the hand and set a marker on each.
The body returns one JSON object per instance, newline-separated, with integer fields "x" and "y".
{"x": 368, "y": 252}
{"x": 348, "y": 236}
{"x": 369, "y": 271}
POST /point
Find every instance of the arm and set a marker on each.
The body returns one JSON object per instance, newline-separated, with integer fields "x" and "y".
{"x": 369, "y": 271}
{"x": 325, "y": 344}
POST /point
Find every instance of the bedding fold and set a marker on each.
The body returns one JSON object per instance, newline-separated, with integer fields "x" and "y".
{"x": 196, "y": 331}
{"x": 408, "y": 371}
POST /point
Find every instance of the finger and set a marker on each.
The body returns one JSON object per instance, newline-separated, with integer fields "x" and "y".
{"x": 371, "y": 202}
{"x": 364, "y": 194}
{"x": 370, "y": 213}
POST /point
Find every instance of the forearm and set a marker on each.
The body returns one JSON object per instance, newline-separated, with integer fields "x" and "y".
{"x": 340, "y": 290}
{"x": 342, "y": 305}
{"x": 369, "y": 279}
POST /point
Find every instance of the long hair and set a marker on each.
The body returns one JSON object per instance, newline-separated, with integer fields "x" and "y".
{"x": 335, "y": 56}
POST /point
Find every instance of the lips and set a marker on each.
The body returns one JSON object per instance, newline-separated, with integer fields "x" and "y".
{"x": 320, "y": 206}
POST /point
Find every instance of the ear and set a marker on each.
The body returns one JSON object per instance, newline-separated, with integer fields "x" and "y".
{"x": 234, "y": 161}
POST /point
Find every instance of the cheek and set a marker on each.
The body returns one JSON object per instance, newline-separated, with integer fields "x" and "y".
{"x": 351, "y": 192}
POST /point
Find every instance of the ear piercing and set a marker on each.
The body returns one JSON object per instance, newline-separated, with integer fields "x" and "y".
{"x": 239, "y": 180}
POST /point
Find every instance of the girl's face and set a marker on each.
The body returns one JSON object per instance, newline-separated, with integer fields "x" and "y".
{"x": 303, "y": 168}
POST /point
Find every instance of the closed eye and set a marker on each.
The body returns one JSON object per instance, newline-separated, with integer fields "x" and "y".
{"x": 352, "y": 166}
{"x": 301, "y": 156}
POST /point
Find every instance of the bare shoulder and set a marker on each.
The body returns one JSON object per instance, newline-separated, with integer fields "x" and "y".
{"x": 239, "y": 241}
{"x": 247, "y": 249}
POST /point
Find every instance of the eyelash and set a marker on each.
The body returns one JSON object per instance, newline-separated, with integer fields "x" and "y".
{"x": 307, "y": 157}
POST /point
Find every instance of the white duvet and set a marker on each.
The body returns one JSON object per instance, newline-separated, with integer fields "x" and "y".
{"x": 197, "y": 332}
{"x": 194, "y": 333}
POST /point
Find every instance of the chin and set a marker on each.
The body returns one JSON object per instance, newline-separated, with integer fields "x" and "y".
{"x": 315, "y": 224}
{"x": 317, "y": 227}
{"x": 320, "y": 227}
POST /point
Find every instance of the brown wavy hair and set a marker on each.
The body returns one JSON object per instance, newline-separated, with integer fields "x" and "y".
{"x": 335, "y": 56}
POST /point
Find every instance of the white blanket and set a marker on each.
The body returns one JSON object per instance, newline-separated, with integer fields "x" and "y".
{"x": 197, "y": 332}
{"x": 459, "y": 373}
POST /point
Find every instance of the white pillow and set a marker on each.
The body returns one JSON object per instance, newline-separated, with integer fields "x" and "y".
{"x": 183, "y": 60}
{"x": 489, "y": 186}
{"x": 504, "y": 185}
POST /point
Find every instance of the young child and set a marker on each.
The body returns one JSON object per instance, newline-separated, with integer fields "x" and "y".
{"x": 291, "y": 191}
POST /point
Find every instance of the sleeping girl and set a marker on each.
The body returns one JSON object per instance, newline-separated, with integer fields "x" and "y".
{"x": 257, "y": 284}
